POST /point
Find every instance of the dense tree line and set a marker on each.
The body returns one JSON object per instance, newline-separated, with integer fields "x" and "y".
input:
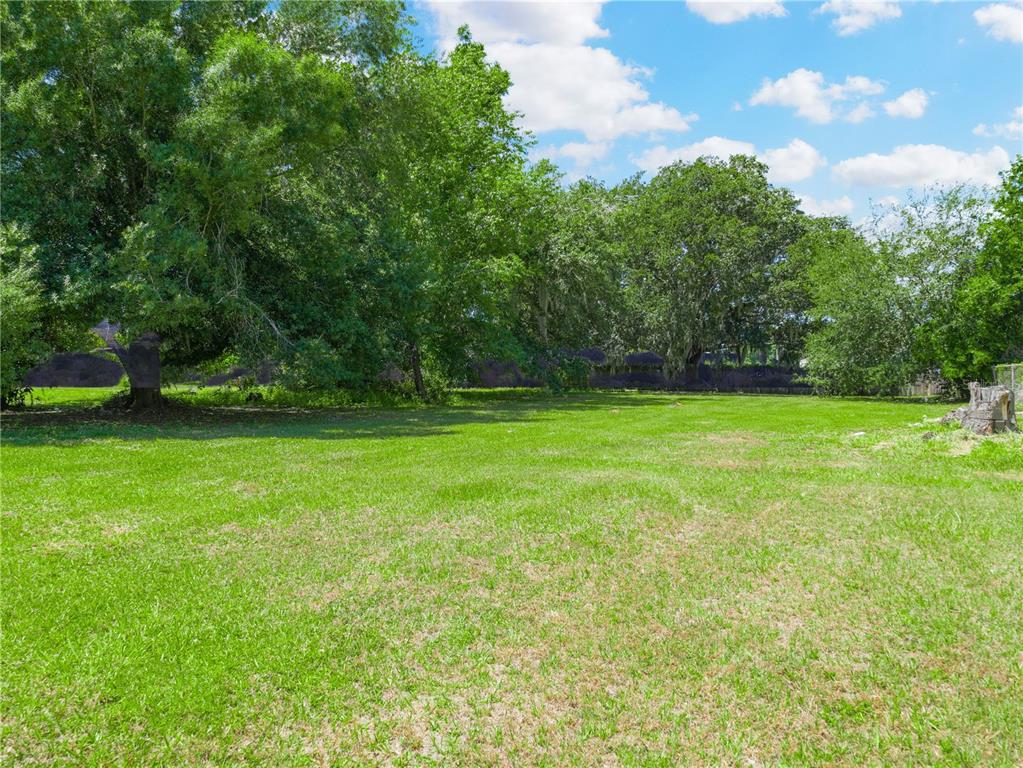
{"x": 296, "y": 181}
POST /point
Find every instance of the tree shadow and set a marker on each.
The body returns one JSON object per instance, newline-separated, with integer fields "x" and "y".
{"x": 72, "y": 425}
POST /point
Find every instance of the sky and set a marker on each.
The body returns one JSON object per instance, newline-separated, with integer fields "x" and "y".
{"x": 851, "y": 104}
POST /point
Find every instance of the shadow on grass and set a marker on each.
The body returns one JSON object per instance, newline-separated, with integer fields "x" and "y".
{"x": 68, "y": 425}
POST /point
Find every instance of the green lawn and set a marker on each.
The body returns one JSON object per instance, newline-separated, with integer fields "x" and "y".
{"x": 599, "y": 579}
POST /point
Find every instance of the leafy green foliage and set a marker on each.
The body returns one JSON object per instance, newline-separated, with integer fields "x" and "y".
{"x": 21, "y": 302}
{"x": 984, "y": 321}
{"x": 936, "y": 292}
{"x": 169, "y": 161}
{"x": 570, "y": 293}
{"x": 705, "y": 237}
{"x": 463, "y": 197}
{"x": 294, "y": 181}
{"x": 863, "y": 336}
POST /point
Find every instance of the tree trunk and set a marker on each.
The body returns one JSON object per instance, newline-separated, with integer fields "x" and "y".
{"x": 417, "y": 370}
{"x": 141, "y": 361}
{"x": 692, "y": 372}
{"x": 143, "y": 398}
{"x": 541, "y": 320}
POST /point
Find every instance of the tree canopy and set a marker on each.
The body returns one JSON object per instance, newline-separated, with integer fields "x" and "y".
{"x": 295, "y": 181}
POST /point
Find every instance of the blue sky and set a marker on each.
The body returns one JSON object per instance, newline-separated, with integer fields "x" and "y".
{"x": 849, "y": 102}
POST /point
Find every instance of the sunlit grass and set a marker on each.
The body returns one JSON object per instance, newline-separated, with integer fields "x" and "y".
{"x": 515, "y": 580}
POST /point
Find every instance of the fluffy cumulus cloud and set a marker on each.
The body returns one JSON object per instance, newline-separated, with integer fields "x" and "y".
{"x": 559, "y": 82}
{"x": 853, "y": 16}
{"x": 1003, "y": 21}
{"x": 1013, "y": 129}
{"x": 715, "y": 146}
{"x": 911, "y": 104}
{"x": 579, "y": 88}
{"x": 795, "y": 162}
{"x": 840, "y": 206}
{"x": 815, "y": 99}
{"x": 517, "y": 22}
{"x": 859, "y": 113}
{"x": 582, "y": 153}
{"x": 923, "y": 164}
{"x": 728, "y": 12}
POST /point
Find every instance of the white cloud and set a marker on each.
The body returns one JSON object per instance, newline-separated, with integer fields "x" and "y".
{"x": 853, "y": 16}
{"x": 922, "y": 164}
{"x": 1002, "y": 21}
{"x": 582, "y": 153}
{"x": 517, "y": 22}
{"x": 859, "y": 113}
{"x": 795, "y": 162}
{"x": 911, "y": 104}
{"x": 815, "y": 99}
{"x": 558, "y": 83}
{"x": 716, "y": 146}
{"x": 1010, "y": 130}
{"x": 840, "y": 206}
{"x": 728, "y": 12}
{"x": 579, "y": 88}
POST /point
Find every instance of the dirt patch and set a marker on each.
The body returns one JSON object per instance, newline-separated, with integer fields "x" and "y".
{"x": 963, "y": 446}
{"x": 1008, "y": 476}
{"x": 249, "y": 489}
{"x": 742, "y": 439}
{"x": 728, "y": 462}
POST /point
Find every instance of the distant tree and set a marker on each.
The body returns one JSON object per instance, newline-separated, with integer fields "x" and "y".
{"x": 704, "y": 237}
{"x": 935, "y": 290}
{"x": 789, "y": 300}
{"x": 932, "y": 245}
{"x": 571, "y": 290}
{"x": 981, "y": 323}
{"x": 863, "y": 316}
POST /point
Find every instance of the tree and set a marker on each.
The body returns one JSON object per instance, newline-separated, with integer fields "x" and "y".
{"x": 571, "y": 288}
{"x": 704, "y": 237}
{"x": 21, "y": 299}
{"x": 932, "y": 245}
{"x": 788, "y": 302}
{"x": 983, "y": 322}
{"x": 214, "y": 258}
{"x": 460, "y": 193}
{"x": 863, "y": 316}
{"x": 164, "y": 156}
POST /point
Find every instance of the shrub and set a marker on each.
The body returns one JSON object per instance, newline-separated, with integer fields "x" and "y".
{"x": 313, "y": 365}
{"x": 21, "y": 302}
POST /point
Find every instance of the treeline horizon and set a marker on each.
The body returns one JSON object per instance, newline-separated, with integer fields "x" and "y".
{"x": 299, "y": 183}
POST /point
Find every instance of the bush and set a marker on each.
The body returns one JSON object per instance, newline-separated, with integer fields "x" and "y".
{"x": 21, "y": 300}
{"x": 838, "y": 365}
{"x": 276, "y": 396}
{"x": 313, "y": 365}
{"x": 562, "y": 370}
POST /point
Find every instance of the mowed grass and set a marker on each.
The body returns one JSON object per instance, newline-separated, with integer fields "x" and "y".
{"x": 595, "y": 579}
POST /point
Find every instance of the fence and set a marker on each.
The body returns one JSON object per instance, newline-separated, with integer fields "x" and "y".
{"x": 923, "y": 387}
{"x": 1010, "y": 375}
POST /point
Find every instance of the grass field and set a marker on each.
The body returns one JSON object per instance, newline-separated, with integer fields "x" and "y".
{"x": 598, "y": 579}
